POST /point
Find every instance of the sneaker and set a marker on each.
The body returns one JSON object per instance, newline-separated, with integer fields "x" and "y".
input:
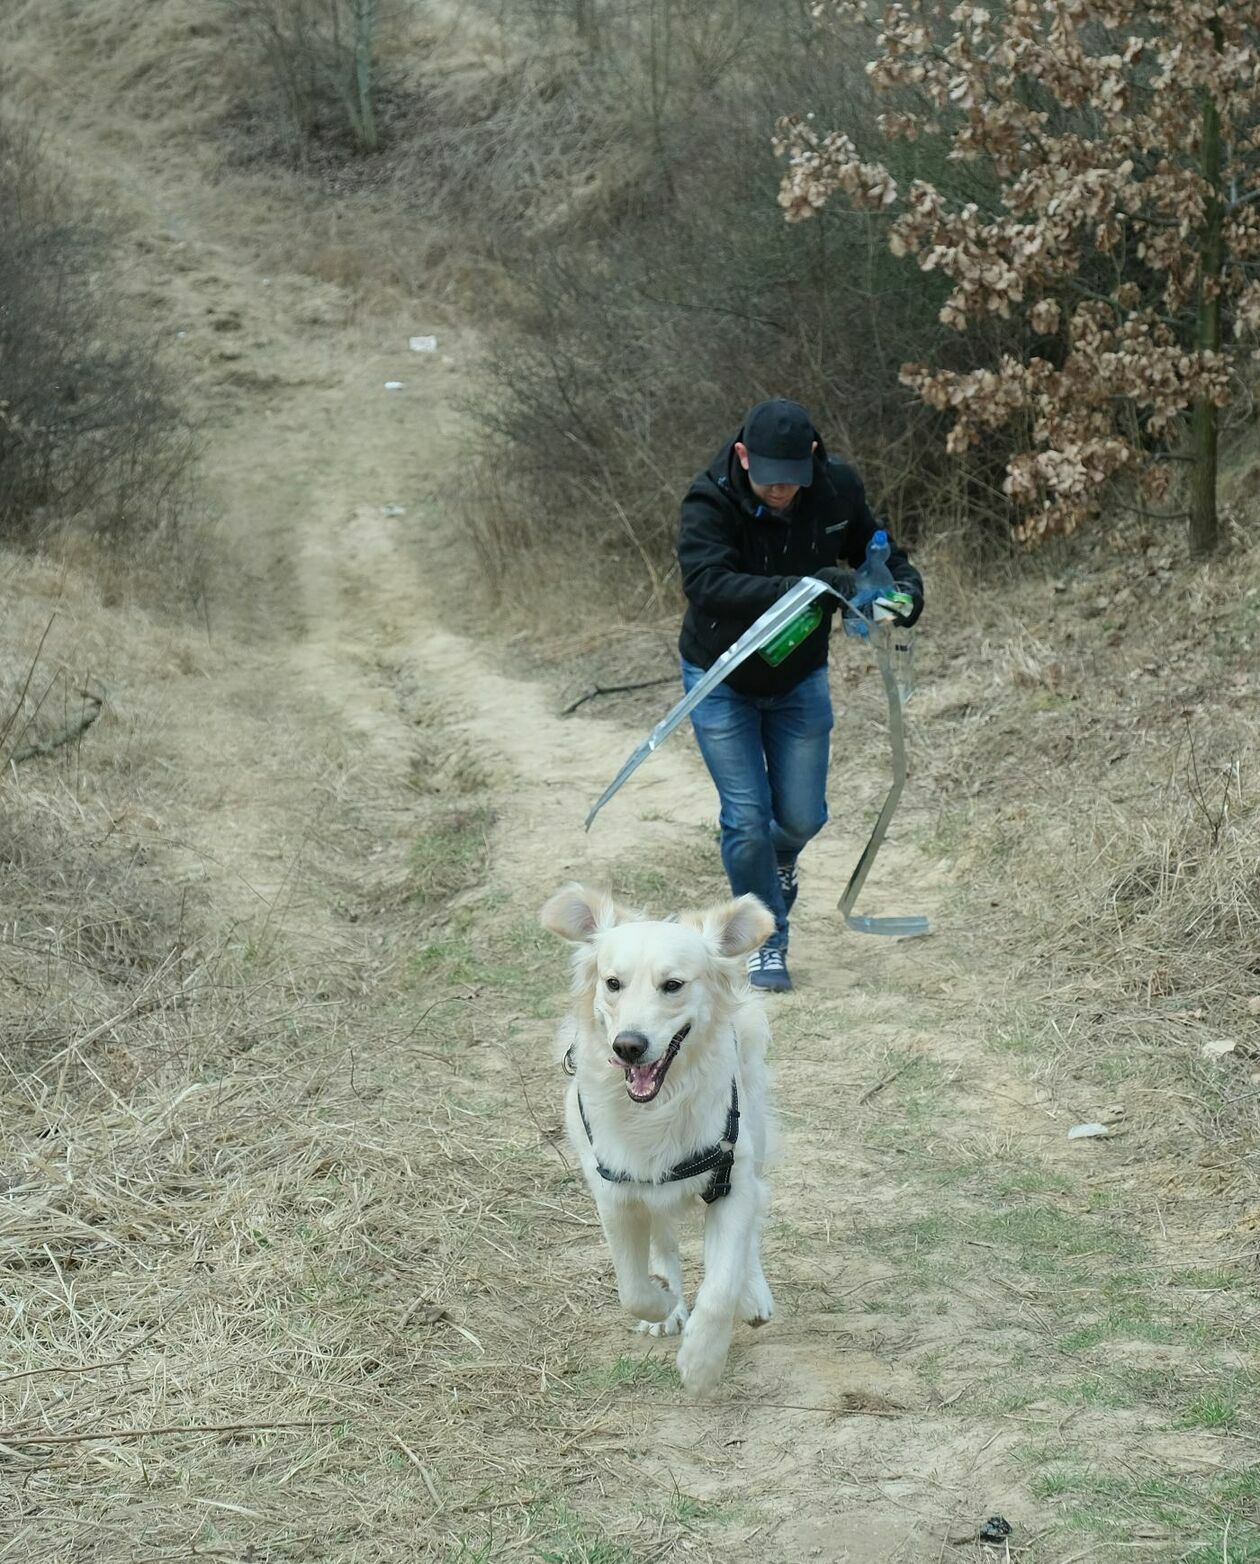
{"x": 788, "y": 884}
{"x": 768, "y": 969}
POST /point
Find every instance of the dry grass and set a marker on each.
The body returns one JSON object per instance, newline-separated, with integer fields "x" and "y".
{"x": 1092, "y": 747}
{"x": 332, "y": 1239}
{"x": 236, "y": 1217}
{"x": 288, "y": 1181}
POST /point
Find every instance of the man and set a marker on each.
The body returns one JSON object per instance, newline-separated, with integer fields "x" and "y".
{"x": 771, "y": 508}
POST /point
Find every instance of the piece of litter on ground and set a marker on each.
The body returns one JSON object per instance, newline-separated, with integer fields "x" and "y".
{"x": 1088, "y": 1131}
{"x": 1253, "y": 1006}
{"x": 423, "y": 344}
{"x": 394, "y": 510}
{"x": 996, "y": 1529}
{"x": 1219, "y": 1046}
{"x": 393, "y": 385}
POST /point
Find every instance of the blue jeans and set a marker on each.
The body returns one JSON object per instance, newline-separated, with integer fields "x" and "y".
{"x": 768, "y": 756}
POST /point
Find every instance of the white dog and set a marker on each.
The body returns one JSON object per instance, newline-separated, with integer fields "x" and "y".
{"x": 670, "y": 1104}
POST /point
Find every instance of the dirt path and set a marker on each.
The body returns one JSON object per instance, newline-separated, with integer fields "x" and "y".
{"x": 939, "y": 1253}
{"x": 840, "y": 1436}
{"x": 824, "y": 1447}
{"x": 922, "y": 1203}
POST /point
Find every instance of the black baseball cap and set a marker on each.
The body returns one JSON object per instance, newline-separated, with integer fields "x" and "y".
{"x": 780, "y": 439}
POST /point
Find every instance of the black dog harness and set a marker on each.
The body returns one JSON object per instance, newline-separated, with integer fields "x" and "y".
{"x": 717, "y": 1160}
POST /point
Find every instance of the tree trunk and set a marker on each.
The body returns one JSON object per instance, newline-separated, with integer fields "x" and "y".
{"x": 365, "y": 113}
{"x": 586, "y": 23}
{"x": 1204, "y": 531}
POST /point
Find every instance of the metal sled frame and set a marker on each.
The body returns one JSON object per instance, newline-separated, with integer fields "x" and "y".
{"x": 910, "y": 926}
{"x": 776, "y": 618}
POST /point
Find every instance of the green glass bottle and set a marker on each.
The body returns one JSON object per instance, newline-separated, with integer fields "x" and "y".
{"x": 792, "y": 634}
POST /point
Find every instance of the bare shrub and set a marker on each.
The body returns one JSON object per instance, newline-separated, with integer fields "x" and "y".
{"x": 635, "y": 189}
{"x": 89, "y": 432}
{"x": 319, "y": 58}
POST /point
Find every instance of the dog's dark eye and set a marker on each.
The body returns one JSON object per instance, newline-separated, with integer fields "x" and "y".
{"x": 671, "y": 985}
{"x": 613, "y": 985}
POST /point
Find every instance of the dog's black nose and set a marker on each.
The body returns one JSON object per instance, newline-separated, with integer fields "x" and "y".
{"x": 630, "y": 1046}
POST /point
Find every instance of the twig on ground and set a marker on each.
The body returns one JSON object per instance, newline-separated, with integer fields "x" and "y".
{"x": 770, "y": 1406}
{"x": 614, "y": 689}
{"x": 878, "y": 1087}
{"x": 1099, "y": 1546}
{"x": 205, "y": 1551}
{"x": 425, "y": 1475}
{"x": 542, "y": 1134}
{"x": 91, "y": 1368}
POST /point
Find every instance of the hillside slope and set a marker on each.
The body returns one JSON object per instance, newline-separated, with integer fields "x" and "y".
{"x": 286, "y": 1184}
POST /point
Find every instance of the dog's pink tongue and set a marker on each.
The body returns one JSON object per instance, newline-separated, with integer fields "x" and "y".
{"x": 642, "y": 1078}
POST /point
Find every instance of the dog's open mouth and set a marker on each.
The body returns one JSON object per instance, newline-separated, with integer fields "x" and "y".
{"x": 643, "y": 1081}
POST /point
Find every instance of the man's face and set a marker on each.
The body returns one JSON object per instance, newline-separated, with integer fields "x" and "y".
{"x": 778, "y": 496}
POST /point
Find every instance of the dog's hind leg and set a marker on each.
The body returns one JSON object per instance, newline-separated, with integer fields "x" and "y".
{"x": 627, "y": 1226}
{"x": 667, "y": 1264}
{"x": 756, "y": 1307}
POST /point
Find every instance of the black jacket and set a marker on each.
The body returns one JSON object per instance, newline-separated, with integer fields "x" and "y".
{"x": 738, "y": 558}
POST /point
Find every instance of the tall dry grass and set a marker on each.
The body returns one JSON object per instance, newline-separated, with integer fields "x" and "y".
{"x": 284, "y": 1228}
{"x": 1091, "y": 757}
{"x": 92, "y": 434}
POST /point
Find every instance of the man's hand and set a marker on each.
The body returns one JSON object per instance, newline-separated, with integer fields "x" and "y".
{"x": 906, "y": 617}
{"x": 838, "y": 578}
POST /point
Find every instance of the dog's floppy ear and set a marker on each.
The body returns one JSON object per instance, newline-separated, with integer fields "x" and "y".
{"x": 578, "y": 914}
{"x": 733, "y": 928}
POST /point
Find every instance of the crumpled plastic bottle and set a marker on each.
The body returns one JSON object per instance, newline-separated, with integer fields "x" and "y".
{"x": 880, "y": 599}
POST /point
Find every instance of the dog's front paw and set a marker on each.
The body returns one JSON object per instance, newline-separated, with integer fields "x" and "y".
{"x": 651, "y": 1301}
{"x": 756, "y": 1307}
{"x": 671, "y": 1325}
{"x": 702, "y": 1356}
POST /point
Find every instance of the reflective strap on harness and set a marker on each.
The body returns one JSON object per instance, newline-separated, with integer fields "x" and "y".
{"x": 718, "y": 1160}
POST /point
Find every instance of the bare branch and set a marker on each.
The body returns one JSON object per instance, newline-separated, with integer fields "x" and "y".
{"x": 64, "y": 735}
